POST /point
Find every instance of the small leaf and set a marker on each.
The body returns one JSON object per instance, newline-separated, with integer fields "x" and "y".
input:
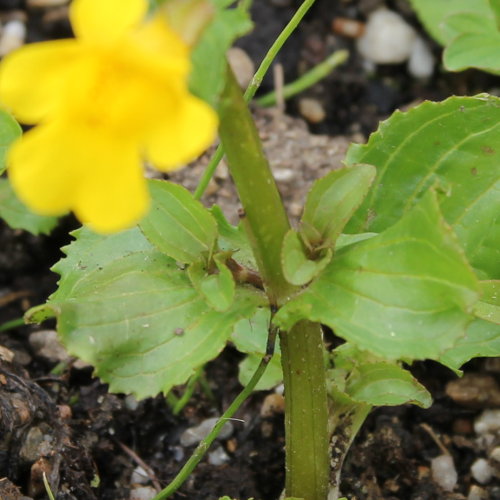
{"x": 271, "y": 377}
{"x": 349, "y": 239}
{"x": 18, "y": 216}
{"x": 250, "y": 334}
{"x": 495, "y": 7}
{"x": 209, "y": 55}
{"x": 9, "y": 131}
{"x": 178, "y": 225}
{"x": 131, "y": 312}
{"x": 298, "y": 267}
{"x": 218, "y": 288}
{"x": 380, "y": 384}
{"x": 406, "y": 293}
{"x": 331, "y": 203}
{"x": 453, "y": 143}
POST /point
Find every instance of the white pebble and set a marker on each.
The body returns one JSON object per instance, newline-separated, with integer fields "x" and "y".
{"x": 488, "y": 421}
{"x": 143, "y": 493}
{"x": 13, "y": 35}
{"x": 421, "y": 61}
{"x": 388, "y": 38}
{"x": 482, "y": 471}
{"x": 283, "y": 174}
{"x": 444, "y": 472}
{"x": 139, "y": 476}
{"x": 195, "y": 434}
{"x": 477, "y": 493}
{"x": 131, "y": 402}
{"x": 218, "y": 456}
{"x": 312, "y": 110}
{"x": 46, "y": 344}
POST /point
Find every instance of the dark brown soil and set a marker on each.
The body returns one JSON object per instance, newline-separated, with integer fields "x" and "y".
{"x": 55, "y": 418}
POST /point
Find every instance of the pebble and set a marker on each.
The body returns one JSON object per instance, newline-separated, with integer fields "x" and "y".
{"x": 131, "y": 402}
{"x": 273, "y": 404}
{"x": 482, "y": 471}
{"x": 283, "y": 174}
{"x": 218, "y": 456}
{"x": 474, "y": 391}
{"x": 388, "y": 38}
{"x": 242, "y": 66}
{"x": 311, "y": 109}
{"x": 194, "y": 435}
{"x": 444, "y": 472}
{"x": 421, "y": 62}
{"x": 349, "y": 28}
{"x": 46, "y": 3}
{"x": 13, "y": 36}
{"x": 6, "y": 354}
{"x": 477, "y": 493}
{"x": 142, "y": 493}
{"x": 46, "y": 344}
{"x": 139, "y": 476}
{"x": 488, "y": 421}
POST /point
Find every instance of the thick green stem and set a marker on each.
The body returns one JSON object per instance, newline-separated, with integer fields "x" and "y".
{"x": 307, "y": 460}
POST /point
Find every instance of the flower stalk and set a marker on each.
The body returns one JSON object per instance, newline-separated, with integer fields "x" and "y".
{"x": 266, "y": 222}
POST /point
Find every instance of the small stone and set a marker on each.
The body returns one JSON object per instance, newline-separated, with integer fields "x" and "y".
{"x": 311, "y": 109}
{"x": 46, "y": 344}
{"x": 139, "y": 476}
{"x": 13, "y": 36}
{"x": 218, "y": 456}
{"x": 273, "y": 404}
{"x": 474, "y": 391}
{"x": 350, "y": 28}
{"x": 482, "y": 471}
{"x": 283, "y": 174}
{"x": 46, "y": 3}
{"x": 142, "y": 493}
{"x": 242, "y": 66}
{"x": 495, "y": 454}
{"x": 388, "y": 38}
{"x": 131, "y": 402}
{"x": 477, "y": 493}
{"x": 195, "y": 434}
{"x": 444, "y": 472}
{"x": 6, "y": 354}
{"x": 488, "y": 421}
{"x": 421, "y": 61}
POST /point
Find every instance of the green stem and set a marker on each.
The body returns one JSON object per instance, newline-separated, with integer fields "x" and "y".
{"x": 252, "y": 88}
{"x": 307, "y": 80}
{"x": 202, "y": 448}
{"x": 302, "y": 348}
{"x": 14, "y": 323}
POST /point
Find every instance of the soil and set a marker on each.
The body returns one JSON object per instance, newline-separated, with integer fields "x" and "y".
{"x": 55, "y": 418}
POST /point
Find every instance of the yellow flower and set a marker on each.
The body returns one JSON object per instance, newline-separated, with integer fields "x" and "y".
{"x": 104, "y": 102}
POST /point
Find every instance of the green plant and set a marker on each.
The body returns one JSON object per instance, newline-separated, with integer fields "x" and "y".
{"x": 397, "y": 253}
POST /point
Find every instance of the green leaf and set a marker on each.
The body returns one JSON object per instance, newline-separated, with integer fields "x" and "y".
{"x": 178, "y": 225}
{"x": 271, "y": 377}
{"x": 482, "y": 339}
{"x": 380, "y": 384}
{"x": 495, "y": 7}
{"x": 433, "y": 14}
{"x": 209, "y": 55}
{"x": 9, "y": 131}
{"x": 331, "y": 203}
{"x": 454, "y": 144}
{"x": 217, "y": 287}
{"x": 298, "y": 267}
{"x": 233, "y": 239}
{"x": 406, "y": 293}
{"x": 349, "y": 239}
{"x": 18, "y": 216}
{"x": 131, "y": 312}
{"x": 489, "y": 306}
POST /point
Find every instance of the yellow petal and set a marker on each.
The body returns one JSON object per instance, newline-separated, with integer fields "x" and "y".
{"x": 42, "y": 172}
{"x": 185, "y": 133}
{"x": 32, "y": 79}
{"x": 104, "y": 21}
{"x": 112, "y": 195}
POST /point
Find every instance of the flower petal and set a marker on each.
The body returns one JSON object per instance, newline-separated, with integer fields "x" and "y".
{"x": 41, "y": 170}
{"x": 32, "y": 78}
{"x": 113, "y": 195}
{"x": 184, "y": 136}
{"x": 104, "y": 21}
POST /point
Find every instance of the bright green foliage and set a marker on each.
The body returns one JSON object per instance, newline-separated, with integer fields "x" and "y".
{"x": 9, "y": 131}
{"x": 132, "y": 313}
{"x": 18, "y": 216}
{"x": 434, "y": 14}
{"x": 298, "y": 267}
{"x": 453, "y": 145}
{"x": 359, "y": 378}
{"x": 468, "y": 29}
{"x": 218, "y": 286}
{"x": 209, "y": 56}
{"x": 250, "y": 336}
{"x": 406, "y": 293}
{"x": 178, "y": 225}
